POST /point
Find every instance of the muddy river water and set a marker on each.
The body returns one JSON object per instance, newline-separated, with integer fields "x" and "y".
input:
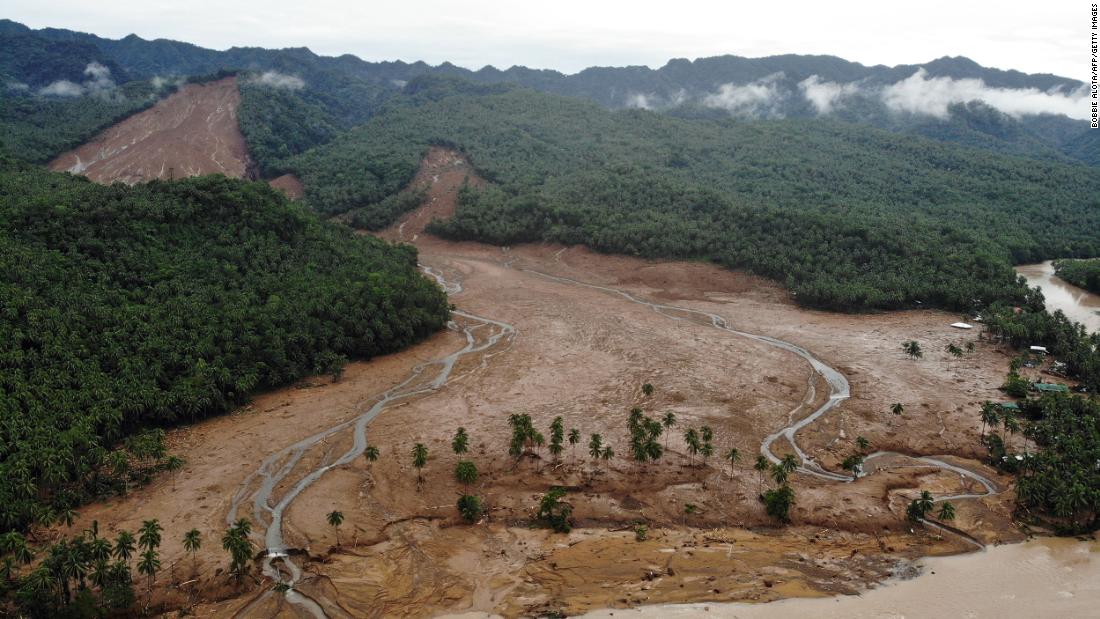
{"x": 1076, "y": 303}
{"x": 1047, "y": 577}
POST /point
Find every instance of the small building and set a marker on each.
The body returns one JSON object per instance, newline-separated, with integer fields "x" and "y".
{"x": 1009, "y": 406}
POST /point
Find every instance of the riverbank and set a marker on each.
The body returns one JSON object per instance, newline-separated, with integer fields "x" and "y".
{"x": 1076, "y": 303}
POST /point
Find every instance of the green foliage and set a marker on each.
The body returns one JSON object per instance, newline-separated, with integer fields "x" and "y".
{"x": 1062, "y": 479}
{"x": 469, "y": 507}
{"x": 235, "y": 542}
{"x": 38, "y": 128}
{"x": 919, "y": 507}
{"x": 124, "y": 307}
{"x": 1082, "y": 273}
{"x": 466, "y": 473}
{"x": 778, "y": 502}
{"x": 1068, "y": 341}
{"x": 848, "y": 217}
{"x": 555, "y": 513}
{"x": 279, "y": 123}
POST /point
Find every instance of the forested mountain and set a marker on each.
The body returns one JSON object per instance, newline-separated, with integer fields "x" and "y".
{"x": 849, "y": 217}
{"x": 948, "y": 99}
{"x": 128, "y": 307}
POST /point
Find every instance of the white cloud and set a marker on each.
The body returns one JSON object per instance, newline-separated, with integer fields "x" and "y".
{"x": 62, "y": 88}
{"x": 825, "y": 95}
{"x": 920, "y": 94}
{"x": 275, "y": 79}
{"x": 639, "y": 101}
{"x": 759, "y": 98}
{"x": 17, "y": 86}
{"x": 99, "y": 84}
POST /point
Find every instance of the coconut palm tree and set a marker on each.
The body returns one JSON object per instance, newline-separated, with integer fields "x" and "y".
{"x": 947, "y": 511}
{"x": 954, "y": 351}
{"x": 780, "y": 474}
{"x": 574, "y": 438}
{"x": 595, "y": 446}
{"x": 897, "y": 408}
{"x": 761, "y": 468}
{"x": 370, "y": 453}
{"x": 124, "y": 546}
{"x": 607, "y": 454}
{"x": 460, "y": 443}
{"x": 647, "y": 389}
{"x": 733, "y": 456}
{"x": 148, "y": 566}
{"x": 789, "y": 463}
{"x": 668, "y": 421}
{"x": 862, "y": 443}
{"x": 149, "y": 534}
{"x": 192, "y": 541}
{"x": 335, "y": 518}
{"x": 539, "y": 440}
{"x": 707, "y": 450}
{"x": 691, "y": 438}
{"x": 420, "y": 458}
{"x": 989, "y": 416}
{"x": 466, "y": 474}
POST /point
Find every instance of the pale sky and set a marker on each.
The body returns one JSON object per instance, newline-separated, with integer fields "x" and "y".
{"x": 1049, "y": 36}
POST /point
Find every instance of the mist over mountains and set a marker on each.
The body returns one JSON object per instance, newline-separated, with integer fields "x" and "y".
{"x": 951, "y": 98}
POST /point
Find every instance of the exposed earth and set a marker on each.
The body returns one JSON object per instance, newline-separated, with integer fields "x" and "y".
{"x": 191, "y": 132}
{"x": 583, "y": 353}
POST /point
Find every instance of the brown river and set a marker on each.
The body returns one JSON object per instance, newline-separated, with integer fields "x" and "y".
{"x": 1076, "y": 303}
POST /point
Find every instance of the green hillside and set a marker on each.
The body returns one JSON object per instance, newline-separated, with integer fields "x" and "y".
{"x": 124, "y": 307}
{"x": 848, "y": 217}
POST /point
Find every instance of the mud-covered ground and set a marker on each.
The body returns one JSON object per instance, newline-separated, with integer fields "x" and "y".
{"x": 583, "y": 354}
{"x": 191, "y": 132}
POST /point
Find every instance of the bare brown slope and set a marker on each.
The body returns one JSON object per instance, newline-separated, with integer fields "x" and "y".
{"x": 442, "y": 174}
{"x": 192, "y": 132}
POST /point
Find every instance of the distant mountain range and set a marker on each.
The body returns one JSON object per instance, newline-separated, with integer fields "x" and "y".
{"x": 950, "y": 99}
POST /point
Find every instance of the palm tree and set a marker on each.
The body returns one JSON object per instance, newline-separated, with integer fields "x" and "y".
{"x": 370, "y": 453}
{"x": 912, "y": 348}
{"x": 689, "y": 509}
{"x": 236, "y": 543}
{"x": 919, "y": 507}
{"x": 595, "y": 447}
{"x": 761, "y": 467}
{"x": 149, "y": 534}
{"x": 668, "y": 421}
{"x": 897, "y": 408}
{"x": 780, "y": 474}
{"x": 420, "y": 458}
{"x": 539, "y": 441}
{"x": 607, "y": 454}
{"x": 148, "y": 566}
{"x": 707, "y": 434}
{"x": 466, "y": 474}
{"x": 706, "y": 451}
{"x": 124, "y": 546}
{"x": 954, "y": 351}
{"x": 947, "y": 511}
{"x": 733, "y": 457}
{"x": 691, "y": 438}
{"x": 192, "y": 541}
{"x": 574, "y": 438}
{"x": 989, "y": 415}
{"x": 789, "y": 463}
{"x": 335, "y": 519}
{"x": 862, "y": 443}
{"x": 647, "y": 390}
{"x": 460, "y": 443}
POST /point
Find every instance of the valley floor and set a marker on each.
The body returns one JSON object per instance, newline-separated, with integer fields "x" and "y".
{"x": 583, "y": 353}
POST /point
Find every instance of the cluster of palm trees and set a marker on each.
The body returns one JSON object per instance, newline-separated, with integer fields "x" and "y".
{"x": 920, "y": 507}
{"x": 991, "y": 416}
{"x": 87, "y": 569}
{"x": 235, "y": 541}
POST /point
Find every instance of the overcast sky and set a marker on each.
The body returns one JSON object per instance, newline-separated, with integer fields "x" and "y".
{"x": 1048, "y": 36}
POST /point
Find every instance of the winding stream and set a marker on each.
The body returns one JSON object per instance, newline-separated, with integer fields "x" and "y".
{"x": 483, "y": 336}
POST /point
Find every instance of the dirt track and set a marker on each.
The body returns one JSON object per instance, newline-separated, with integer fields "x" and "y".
{"x": 583, "y": 354}
{"x": 192, "y": 132}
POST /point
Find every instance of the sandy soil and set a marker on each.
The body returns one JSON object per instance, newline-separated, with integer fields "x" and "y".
{"x": 288, "y": 184}
{"x": 583, "y": 354}
{"x": 192, "y": 132}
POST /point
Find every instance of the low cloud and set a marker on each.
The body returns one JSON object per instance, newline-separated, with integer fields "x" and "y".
{"x": 160, "y": 83}
{"x": 757, "y": 99}
{"x": 824, "y": 96}
{"x": 920, "y": 94}
{"x": 654, "y": 101}
{"x": 62, "y": 88}
{"x": 17, "y": 86}
{"x": 275, "y": 79}
{"x": 98, "y": 83}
